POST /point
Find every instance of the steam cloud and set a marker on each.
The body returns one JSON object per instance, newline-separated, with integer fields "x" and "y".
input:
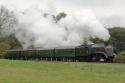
{"x": 43, "y": 29}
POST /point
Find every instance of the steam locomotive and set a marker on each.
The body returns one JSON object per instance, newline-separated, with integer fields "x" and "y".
{"x": 94, "y": 52}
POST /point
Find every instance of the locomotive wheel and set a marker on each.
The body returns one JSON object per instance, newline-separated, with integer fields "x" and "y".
{"x": 94, "y": 58}
{"x": 97, "y": 58}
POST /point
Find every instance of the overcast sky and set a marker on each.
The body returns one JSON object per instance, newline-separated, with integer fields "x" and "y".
{"x": 109, "y": 12}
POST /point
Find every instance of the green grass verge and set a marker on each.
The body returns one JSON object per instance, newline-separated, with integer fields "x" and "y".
{"x": 13, "y": 71}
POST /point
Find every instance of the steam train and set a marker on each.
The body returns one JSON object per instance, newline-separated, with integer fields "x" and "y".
{"x": 94, "y": 52}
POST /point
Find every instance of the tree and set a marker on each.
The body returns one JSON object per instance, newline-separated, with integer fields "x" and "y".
{"x": 96, "y": 40}
{"x": 7, "y": 21}
{"x": 13, "y": 42}
{"x": 118, "y": 37}
{"x": 59, "y": 16}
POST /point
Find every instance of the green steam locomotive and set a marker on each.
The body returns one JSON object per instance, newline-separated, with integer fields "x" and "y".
{"x": 94, "y": 52}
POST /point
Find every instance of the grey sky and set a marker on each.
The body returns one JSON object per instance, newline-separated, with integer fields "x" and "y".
{"x": 109, "y": 12}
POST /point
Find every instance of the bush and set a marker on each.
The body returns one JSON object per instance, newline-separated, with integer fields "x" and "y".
{"x": 3, "y": 48}
{"x": 120, "y": 57}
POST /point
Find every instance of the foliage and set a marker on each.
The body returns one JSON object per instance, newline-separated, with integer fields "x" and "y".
{"x": 120, "y": 57}
{"x": 11, "y": 41}
{"x": 59, "y": 16}
{"x": 96, "y": 40}
{"x": 3, "y": 48}
{"x": 7, "y": 21}
{"x": 118, "y": 38}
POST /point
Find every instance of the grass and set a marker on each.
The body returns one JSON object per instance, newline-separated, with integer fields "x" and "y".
{"x": 14, "y": 71}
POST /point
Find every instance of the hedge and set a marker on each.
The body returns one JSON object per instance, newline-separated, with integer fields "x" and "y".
{"x": 120, "y": 57}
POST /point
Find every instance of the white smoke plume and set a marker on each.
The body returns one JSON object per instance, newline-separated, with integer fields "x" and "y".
{"x": 39, "y": 27}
